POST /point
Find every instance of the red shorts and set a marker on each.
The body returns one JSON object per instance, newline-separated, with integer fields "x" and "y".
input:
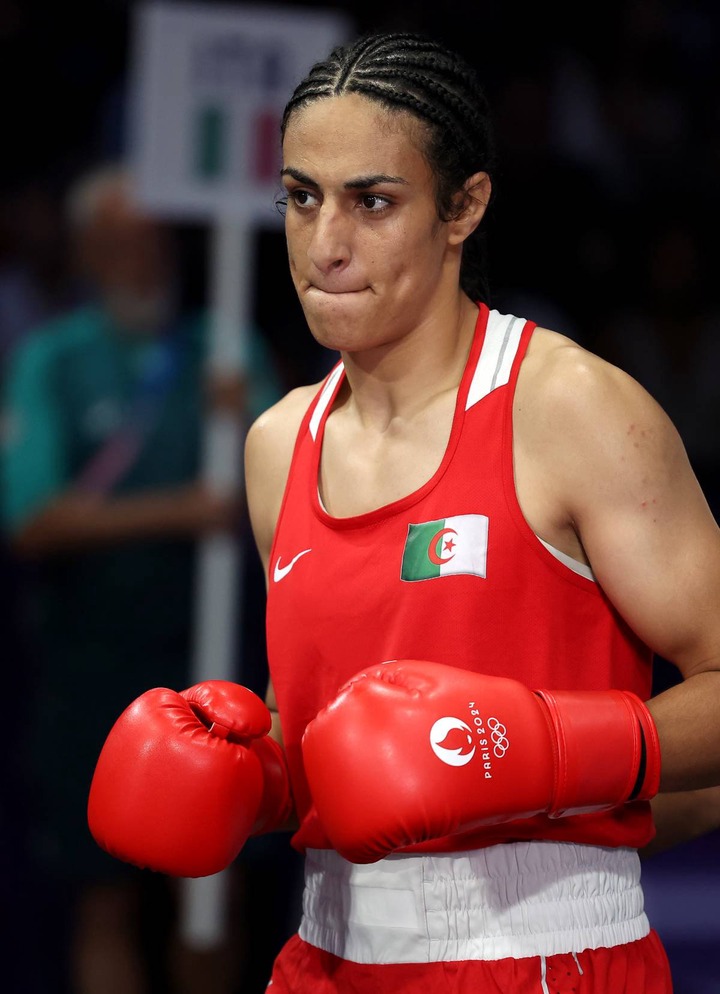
{"x": 639, "y": 967}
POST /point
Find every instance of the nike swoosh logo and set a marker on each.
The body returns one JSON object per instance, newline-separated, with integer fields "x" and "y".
{"x": 280, "y": 571}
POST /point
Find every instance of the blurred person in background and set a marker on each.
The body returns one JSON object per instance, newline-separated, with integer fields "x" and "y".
{"x": 103, "y": 506}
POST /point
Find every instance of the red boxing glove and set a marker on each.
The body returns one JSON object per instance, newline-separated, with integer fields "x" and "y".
{"x": 184, "y": 779}
{"x": 412, "y": 751}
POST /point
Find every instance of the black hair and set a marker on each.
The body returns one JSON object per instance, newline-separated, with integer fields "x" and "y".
{"x": 412, "y": 73}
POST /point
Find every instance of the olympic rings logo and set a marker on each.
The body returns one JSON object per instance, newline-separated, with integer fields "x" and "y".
{"x": 498, "y": 734}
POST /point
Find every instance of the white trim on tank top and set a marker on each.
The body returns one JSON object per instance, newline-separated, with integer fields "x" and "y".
{"x": 582, "y": 569}
{"x": 502, "y": 338}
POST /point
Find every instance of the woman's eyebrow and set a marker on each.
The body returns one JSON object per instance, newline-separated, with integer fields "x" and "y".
{"x": 359, "y": 183}
{"x": 301, "y": 177}
{"x": 363, "y": 182}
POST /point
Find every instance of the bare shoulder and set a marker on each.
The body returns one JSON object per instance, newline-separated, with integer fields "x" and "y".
{"x": 271, "y": 436}
{"x": 586, "y": 432}
{"x": 565, "y": 390}
{"x": 269, "y": 448}
{"x": 562, "y": 371}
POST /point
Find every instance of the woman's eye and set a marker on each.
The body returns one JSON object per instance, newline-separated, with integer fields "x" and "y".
{"x": 303, "y": 198}
{"x": 373, "y": 202}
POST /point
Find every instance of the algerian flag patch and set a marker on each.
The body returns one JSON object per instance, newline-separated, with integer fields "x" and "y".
{"x": 446, "y": 547}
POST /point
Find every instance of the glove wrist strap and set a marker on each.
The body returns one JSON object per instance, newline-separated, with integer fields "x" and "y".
{"x": 606, "y": 750}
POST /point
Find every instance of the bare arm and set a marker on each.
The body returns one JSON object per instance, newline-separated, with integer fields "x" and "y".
{"x": 683, "y": 816}
{"x": 268, "y": 453}
{"x": 75, "y": 521}
{"x": 616, "y": 477}
{"x": 46, "y": 513}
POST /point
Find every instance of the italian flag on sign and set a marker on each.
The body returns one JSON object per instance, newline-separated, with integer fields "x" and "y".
{"x": 446, "y": 547}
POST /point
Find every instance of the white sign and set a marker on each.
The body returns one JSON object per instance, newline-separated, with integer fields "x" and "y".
{"x": 208, "y": 84}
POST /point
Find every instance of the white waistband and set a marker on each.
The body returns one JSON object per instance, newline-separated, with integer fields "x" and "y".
{"x": 514, "y": 900}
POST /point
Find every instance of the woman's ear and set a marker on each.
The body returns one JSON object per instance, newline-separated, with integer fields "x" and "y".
{"x": 473, "y": 202}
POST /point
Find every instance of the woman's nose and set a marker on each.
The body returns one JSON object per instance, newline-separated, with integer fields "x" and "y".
{"x": 330, "y": 245}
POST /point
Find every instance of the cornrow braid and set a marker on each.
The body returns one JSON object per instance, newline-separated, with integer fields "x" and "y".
{"x": 410, "y": 73}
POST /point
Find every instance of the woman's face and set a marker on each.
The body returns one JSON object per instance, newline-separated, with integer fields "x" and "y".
{"x": 368, "y": 254}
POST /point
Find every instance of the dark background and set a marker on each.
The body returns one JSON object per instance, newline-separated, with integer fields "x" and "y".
{"x": 602, "y": 227}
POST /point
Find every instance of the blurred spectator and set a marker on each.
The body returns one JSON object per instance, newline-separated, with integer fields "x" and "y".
{"x": 103, "y": 506}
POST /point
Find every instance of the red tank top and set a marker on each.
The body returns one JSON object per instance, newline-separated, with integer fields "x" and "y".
{"x": 450, "y": 573}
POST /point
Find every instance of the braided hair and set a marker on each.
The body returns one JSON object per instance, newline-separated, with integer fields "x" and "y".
{"x": 411, "y": 73}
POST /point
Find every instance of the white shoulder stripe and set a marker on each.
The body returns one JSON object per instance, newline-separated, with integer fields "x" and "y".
{"x": 324, "y": 399}
{"x": 502, "y": 339}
